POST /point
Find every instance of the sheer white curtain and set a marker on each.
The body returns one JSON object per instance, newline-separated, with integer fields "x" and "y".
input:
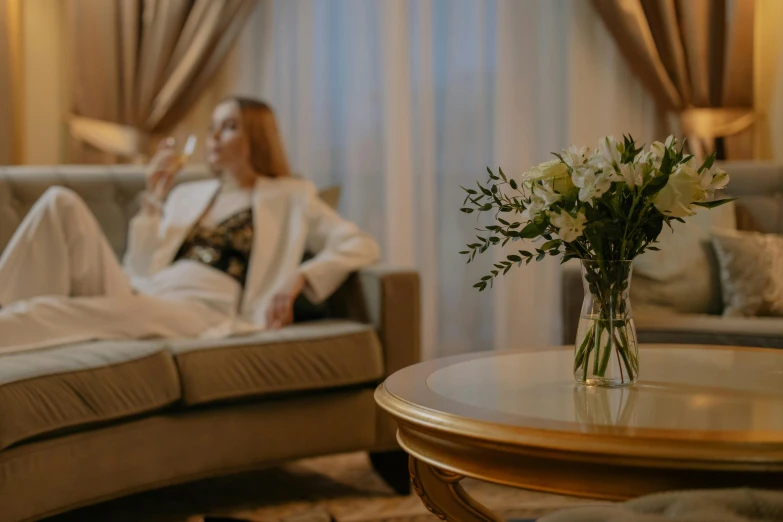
{"x": 401, "y": 102}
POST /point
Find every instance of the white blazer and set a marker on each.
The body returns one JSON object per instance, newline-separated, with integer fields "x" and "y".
{"x": 288, "y": 218}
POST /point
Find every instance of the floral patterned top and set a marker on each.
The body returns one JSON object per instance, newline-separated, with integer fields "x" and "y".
{"x": 225, "y": 247}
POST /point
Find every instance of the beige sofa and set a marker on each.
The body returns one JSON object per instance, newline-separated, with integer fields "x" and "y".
{"x": 84, "y": 423}
{"x": 759, "y": 207}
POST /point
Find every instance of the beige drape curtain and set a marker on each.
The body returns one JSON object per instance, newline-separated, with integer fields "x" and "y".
{"x": 696, "y": 59}
{"x": 138, "y": 65}
{"x": 10, "y": 138}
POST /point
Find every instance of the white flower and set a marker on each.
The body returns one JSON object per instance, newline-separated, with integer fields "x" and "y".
{"x": 554, "y": 171}
{"x": 658, "y": 149}
{"x": 719, "y": 179}
{"x": 530, "y": 176}
{"x": 681, "y": 190}
{"x": 596, "y": 160}
{"x": 633, "y": 174}
{"x": 569, "y": 228}
{"x": 643, "y": 157}
{"x": 713, "y": 179}
{"x": 610, "y": 171}
{"x": 534, "y": 208}
{"x": 542, "y": 198}
{"x": 599, "y": 162}
{"x": 546, "y": 194}
{"x": 576, "y": 156}
{"x": 591, "y": 185}
{"x": 610, "y": 150}
{"x": 548, "y": 170}
{"x": 563, "y": 184}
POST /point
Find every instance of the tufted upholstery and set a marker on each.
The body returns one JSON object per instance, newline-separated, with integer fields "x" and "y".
{"x": 111, "y": 192}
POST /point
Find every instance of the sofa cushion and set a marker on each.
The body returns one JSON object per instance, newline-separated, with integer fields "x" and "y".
{"x": 48, "y": 477}
{"x": 684, "y": 274}
{"x": 307, "y": 356}
{"x": 67, "y": 387}
{"x": 662, "y": 325}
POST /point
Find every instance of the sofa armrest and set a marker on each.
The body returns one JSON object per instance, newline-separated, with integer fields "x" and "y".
{"x": 572, "y": 294}
{"x": 388, "y": 298}
{"x": 393, "y": 306}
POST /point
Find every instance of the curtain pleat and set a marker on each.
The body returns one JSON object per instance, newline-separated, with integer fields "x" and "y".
{"x": 696, "y": 59}
{"x": 9, "y": 135}
{"x": 140, "y": 65}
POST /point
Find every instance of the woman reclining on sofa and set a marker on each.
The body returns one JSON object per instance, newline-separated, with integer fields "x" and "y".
{"x": 212, "y": 258}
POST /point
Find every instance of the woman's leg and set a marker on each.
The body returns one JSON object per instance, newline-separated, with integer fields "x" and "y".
{"x": 59, "y": 249}
{"x": 55, "y": 320}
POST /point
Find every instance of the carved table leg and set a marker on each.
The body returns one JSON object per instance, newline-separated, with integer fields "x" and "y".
{"x": 444, "y": 497}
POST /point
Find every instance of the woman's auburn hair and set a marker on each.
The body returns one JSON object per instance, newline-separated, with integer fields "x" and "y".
{"x": 267, "y": 155}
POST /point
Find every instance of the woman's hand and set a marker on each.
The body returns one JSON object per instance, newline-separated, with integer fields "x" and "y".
{"x": 281, "y": 309}
{"x": 162, "y": 169}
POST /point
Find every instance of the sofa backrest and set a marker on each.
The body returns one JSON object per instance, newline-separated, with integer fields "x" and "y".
{"x": 111, "y": 192}
{"x": 759, "y": 189}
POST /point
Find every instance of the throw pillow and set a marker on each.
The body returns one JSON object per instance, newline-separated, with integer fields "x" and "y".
{"x": 684, "y": 276}
{"x": 751, "y": 272}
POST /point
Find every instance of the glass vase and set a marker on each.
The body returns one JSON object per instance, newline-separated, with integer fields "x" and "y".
{"x": 606, "y": 351}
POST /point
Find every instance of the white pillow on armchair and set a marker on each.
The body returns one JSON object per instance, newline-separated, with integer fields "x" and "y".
{"x": 751, "y": 269}
{"x": 684, "y": 276}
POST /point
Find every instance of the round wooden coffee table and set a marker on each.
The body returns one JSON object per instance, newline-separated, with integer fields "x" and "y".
{"x": 699, "y": 417}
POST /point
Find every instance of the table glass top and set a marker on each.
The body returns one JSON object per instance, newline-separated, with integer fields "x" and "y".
{"x": 682, "y": 388}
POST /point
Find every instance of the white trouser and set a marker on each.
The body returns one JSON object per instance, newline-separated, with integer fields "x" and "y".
{"x": 60, "y": 282}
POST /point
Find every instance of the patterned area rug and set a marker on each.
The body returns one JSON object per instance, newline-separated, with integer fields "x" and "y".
{"x": 343, "y": 488}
